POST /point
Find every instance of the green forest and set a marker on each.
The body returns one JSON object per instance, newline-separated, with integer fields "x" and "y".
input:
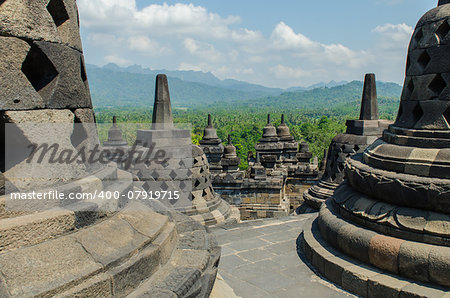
{"x": 313, "y": 115}
{"x": 315, "y": 126}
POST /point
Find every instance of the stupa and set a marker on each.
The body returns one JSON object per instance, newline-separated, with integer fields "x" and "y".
{"x": 186, "y": 169}
{"x": 269, "y": 149}
{"x": 60, "y": 244}
{"x": 386, "y": 230}
{"x": 115, "y": 136}
{"x": 228, "y": 182}
{"x": 360, "y": 134}
{"x": 212, "y": 146}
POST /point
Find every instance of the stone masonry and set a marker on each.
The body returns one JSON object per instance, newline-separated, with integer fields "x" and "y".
{"x": 77, "y": 248}
{"x": 385, "y": 231}
{"x": 275, "y": 179}
{"x": 360, "y": 134}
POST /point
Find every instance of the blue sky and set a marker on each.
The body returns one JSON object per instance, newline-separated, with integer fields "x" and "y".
{"x": 273, "y": 43}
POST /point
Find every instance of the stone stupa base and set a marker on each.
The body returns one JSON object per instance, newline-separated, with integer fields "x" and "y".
{"x": 367, "y": 263}
{"x": 319, "y": 193}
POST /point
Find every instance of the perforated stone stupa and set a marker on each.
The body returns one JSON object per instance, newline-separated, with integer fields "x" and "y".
{"x": 360, "y": 134}
{"x": 386, "y": 230}
{"x": 71, "y": 248}
{"x": 187, "y": 170}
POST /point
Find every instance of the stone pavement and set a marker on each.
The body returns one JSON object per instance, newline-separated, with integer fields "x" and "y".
{"x": 260, "y": 259}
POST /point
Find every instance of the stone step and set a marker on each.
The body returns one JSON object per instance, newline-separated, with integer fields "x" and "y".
{"x": 34, "y": 228}
{"x": 192, "y": 268}
{"x": 106, "y": 259}
{"x": 356, "y": 277}
{"x": 101, "y": 180}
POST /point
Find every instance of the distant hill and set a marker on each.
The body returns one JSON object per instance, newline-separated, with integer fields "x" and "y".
{"x": 321, "y": 98}
{"x": 113, "y": 86}
{"x": 330, "y": 84}
{"x": 206, "y": 78}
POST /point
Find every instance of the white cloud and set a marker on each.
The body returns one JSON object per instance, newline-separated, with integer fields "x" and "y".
{"x": 143, "y": 44}
{"x": 286, "y": 72}
{"x": 283, "y": 37}
{"x": 202, "y": 49}
{"x": 117, "y": 60}
{"x": 394, "y": 36}
{"x": 125, "y": 18}
{"x": 190, "y": 37}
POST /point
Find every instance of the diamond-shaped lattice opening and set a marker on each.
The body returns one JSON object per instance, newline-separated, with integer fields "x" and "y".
{"x": 443, "y": 30}
{"x": 164, "y": 186}
{"x": 79, "y": 134}
{"x": 83, "y": 70}
{"x": 39, "y": 71}
{"x": 418, "y": 35}
{"x": 437, "y": 85}
{"x": 197, "y": 183}
{"x": 155, "y": 174}
{"x": 173, "y": 175}
{"x": 424, "y": 60}
{"x": 58, "y": 12}
{"x": 182, "y": 185}
{"x": 204, "y": 193}
{"x": 410, "y": 86}
{"x": 447, "y": 116}
{"x": 202, "y": 170}
{"x": 417, "y": 113}
{"x": 356, "y": 148}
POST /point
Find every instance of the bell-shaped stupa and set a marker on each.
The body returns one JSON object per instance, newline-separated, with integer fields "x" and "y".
{"x": 360, "y": 134}
{"x": 212, "y": 146}
{"x": 386, "y": 229}
{"x": 77, "y": 229}
{"x": 184, "y": 170}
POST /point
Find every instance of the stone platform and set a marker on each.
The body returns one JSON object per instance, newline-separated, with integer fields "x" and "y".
{"x": 353, "y": 274}
{"x": 262, "y": 258}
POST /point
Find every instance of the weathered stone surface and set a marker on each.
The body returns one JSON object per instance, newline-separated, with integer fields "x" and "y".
{"x": 22, "y": 132}
{"x": 369, "y": 102}
{"x": 439, "y": 265}
{"x": 42, "y": 75}
{"x": 413, "y": 260}
{"x": 54, "y": 21}
{"x": 383, "y": 252}
{"x": 51, "y": 268}
{"x": 162, "y": 109}
{"x": 71, "y": 89}
{"x": 17, "y": 91}
{"x": 103, "y": 244}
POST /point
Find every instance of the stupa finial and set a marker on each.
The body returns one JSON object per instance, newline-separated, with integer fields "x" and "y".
{"x": 369, "y": 103}
{"x": 162, "y": 110}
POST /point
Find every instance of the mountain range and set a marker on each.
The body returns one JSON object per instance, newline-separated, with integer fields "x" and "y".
{"x": 114, "y": 86}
